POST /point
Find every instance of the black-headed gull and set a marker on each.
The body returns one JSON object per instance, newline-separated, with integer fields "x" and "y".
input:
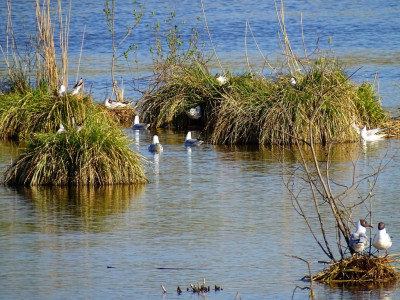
{"x": 221, "y": 79}
{"x": 189, "y": 142}
{"x": 293, "y": 82}
{"x": 61, "y": 90}
{"x": 113, "y": 104}
{"x": 372, "y": 134}
{"x": 382, "y": 240}
{"x": 155, "y": 146}
{"x": 359, "y": 240}
{"x": 194, "y": 113}
{"x": 61, "y": 128}
{"x": 77, "y": 87}
{"x": 138, "y": 126}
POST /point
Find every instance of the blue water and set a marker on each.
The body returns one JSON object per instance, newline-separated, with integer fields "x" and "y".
{"x": 216, "y": 212}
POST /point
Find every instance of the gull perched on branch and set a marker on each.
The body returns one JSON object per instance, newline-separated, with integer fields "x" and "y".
{"x": 194, "y": 113}
{"x": 382, "y": 240}
{"x": 359, "y": 240}
{"x": 155, "y": 146}
{"x": 138, "y": 126}
{"x": 189, "y": 142}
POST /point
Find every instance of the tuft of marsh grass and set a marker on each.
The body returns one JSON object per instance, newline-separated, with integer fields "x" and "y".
{"x": 253, "y": 109}
{"x": 98, "y": 154}
{"x": 38, "y": 112}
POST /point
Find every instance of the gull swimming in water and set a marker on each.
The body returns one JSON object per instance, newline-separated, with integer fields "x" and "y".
{"x": 194, "y": 113}
{"x": 189, "y": 142}
{"x": 382, "y": 240}
{"x": 372, "y": 134}
{"x": 137, "y": 125}
{"x": 113, "y": 104}
{"x": 77, "y": 87}
{"x": 221, "y": 79}
{"x": 155, "y": 146}
{"x": 359, "y": 240}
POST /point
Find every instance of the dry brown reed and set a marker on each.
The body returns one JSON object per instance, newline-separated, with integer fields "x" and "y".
{"x": 360, "y": 269}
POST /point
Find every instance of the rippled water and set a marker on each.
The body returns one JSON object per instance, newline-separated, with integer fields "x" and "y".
{"x": 216, "y": 212}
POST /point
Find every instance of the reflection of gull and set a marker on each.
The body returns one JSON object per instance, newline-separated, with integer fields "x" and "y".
{"x": 137, "y": 125}
{"x": 221, "y": 79}
{"x": 194, "y": 113}
{"x": 155, "y": 146}
{"x": 359, "y": 240}
{"x": 382, "y": 240}
{"x": 113, "y": 104}
{"x": 189, "y": 142}
{"x": 189, "y": 154}
{"x": 372, "y": 134}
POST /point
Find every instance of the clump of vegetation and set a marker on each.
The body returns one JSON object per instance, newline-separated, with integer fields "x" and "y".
{"x": 360, "y": 269}
{"x": 253, "y": 109}
{"x": 36, "y": 111}
{"x": 94, "y": 153}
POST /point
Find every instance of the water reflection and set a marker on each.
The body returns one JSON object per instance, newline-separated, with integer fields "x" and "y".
{"x": 78, "y": 208}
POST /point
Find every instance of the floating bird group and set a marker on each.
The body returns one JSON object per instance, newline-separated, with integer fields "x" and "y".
{"x": 359, "y": 240}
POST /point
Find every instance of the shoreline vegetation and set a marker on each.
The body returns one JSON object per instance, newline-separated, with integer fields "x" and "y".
{"x": 69, "y": 140}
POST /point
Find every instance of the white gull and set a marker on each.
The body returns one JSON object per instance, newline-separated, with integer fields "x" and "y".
{"x": 382, "y": 240}
{"x": 359, "y": 240}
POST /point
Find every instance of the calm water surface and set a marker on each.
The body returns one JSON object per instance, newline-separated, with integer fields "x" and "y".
{"x": 216, "y": 212}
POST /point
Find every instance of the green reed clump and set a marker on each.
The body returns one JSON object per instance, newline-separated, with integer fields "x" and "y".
{"x": 37, "y": 111}
{"x": 181, "y": 88}
{"x": 251, "y": 109}
{"x": 97, "y": 153}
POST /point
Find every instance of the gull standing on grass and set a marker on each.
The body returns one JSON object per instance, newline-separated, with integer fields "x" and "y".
{"x": 293, "y": 82}
{"x": 189, "y": 142}
{"x": 138, "y": 126}
{"x": 155, "y": 146}
{"x": 221, "y": 79}
{"x": 77, "y": 87}
{"x": 61, "y": 90}
{"x": 359, "y": 240}
{"x": 194, "y": 113}
{"x": 382, "y": 240}
{"x": 61, "y": 128}
{"x": 113, "y": 104}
